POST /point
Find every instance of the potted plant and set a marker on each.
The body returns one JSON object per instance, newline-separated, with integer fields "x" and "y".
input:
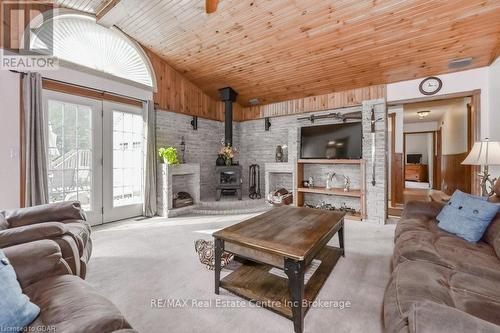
{"x": 169, "y": 155}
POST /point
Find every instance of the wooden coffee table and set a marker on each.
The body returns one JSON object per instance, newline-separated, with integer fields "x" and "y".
{"x": 288, "y": 238}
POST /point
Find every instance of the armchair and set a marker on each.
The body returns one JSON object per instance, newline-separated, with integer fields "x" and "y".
{"x": 63, "y": 222}
{"x": 67, "y": 303}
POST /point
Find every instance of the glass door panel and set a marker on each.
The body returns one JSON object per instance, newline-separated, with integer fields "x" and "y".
{"x": 124, "y": 171}
{"x": 74, "y": 151}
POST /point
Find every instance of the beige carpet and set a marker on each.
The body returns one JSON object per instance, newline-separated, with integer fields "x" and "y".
{"x": 135, "y": 262}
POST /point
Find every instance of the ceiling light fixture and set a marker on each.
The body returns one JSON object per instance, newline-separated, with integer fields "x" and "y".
{"x": 423, "y": 114}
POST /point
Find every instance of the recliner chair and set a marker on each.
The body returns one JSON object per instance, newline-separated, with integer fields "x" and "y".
{"x": 63, "y": 222}
{"x": 66, "y": 302}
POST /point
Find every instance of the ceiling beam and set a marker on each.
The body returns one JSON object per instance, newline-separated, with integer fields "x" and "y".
{"x": 111, "y": 12}
{"x": 211, "y": 6}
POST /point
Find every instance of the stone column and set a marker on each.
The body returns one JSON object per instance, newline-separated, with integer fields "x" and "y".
{"x": 376, "y": 196}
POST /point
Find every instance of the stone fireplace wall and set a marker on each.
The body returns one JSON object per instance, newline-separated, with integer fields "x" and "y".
{"x": 255, "y": 145}
{"x": 202, "y": 145}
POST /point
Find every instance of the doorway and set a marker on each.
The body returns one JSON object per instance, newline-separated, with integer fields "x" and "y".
{"x": 429, "y": 138}
{"x": 95, "y": 155}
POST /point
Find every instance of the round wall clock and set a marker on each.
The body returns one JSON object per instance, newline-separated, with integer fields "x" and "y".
{"x": 430, "y": 85}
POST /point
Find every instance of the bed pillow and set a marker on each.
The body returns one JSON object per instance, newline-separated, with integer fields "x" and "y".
{"x": 17, "y": 311}
{"x": 467, "y": 216}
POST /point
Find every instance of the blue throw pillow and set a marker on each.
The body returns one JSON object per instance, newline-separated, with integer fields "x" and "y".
{"x": 16, "y": 310}
{"x": 467, "y": 216}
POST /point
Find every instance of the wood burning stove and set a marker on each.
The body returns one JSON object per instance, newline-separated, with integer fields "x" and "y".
{"x": 228, "y": 180}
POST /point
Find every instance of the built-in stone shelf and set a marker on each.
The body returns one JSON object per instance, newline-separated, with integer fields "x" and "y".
{"x": 177, "y": 178}
{"x": 279, "y": 174}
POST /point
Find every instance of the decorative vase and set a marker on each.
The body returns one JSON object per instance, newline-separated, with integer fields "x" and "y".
{"x": 229, "y": 161}
{"x": 220, "y": 160}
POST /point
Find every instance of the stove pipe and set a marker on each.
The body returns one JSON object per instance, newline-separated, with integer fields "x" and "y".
{"x": 228, "y": 96}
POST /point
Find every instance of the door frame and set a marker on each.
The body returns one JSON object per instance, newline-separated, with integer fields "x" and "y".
{"x": 397, "y": 174}
{"x": 475, "y": 133}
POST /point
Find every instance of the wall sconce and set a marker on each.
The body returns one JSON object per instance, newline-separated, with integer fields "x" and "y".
{"x": 194, "y": 123}
{"x": 267, "y": 123}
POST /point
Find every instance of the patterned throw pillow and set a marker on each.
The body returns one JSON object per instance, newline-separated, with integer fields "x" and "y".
{"x": 206, "y": 253}
{"x": 16, "y": 310}
{"x": 467, "y": 216}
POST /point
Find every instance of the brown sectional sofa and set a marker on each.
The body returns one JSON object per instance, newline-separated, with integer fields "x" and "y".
{"x": 67, "y": 303}
{"x": 440, "y": 282}
{"x": 63, "y": 222}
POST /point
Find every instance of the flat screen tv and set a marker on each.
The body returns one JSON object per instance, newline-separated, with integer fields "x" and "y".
{"x": 413, "y": 158}
{"x": 337, "y": 141}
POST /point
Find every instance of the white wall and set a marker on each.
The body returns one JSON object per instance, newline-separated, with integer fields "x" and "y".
{"x": 417, "y": 144}
{"x": 469, "y": 80}
{"x": 494, "y": 86}
{"x": 454, "y": 129}
{"x": 421, "y": 127}
{"x": 9, "y": 140}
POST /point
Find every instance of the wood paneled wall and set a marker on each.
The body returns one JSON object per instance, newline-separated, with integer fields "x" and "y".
{"x": 333, "y": 100}
{"x": 455, "y": 174}
{"x": 177, "y": 94}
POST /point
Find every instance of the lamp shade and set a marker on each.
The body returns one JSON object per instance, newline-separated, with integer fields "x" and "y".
{"x": 484, "y": 153}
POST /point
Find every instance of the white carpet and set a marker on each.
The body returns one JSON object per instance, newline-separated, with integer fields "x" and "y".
{"x": 135, "y": 263}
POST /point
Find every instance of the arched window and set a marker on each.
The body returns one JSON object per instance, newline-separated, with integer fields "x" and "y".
{"x": 80, "y": 40}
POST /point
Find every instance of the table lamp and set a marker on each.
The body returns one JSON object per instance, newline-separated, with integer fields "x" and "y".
{"x": 484, "y": 153}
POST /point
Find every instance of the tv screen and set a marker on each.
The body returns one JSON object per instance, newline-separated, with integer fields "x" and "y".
{"x": 413, "y": 158}
{"x": 337, "y": 141}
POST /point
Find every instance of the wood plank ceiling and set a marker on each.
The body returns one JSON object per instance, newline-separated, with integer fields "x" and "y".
{"x": 277, "y": 50}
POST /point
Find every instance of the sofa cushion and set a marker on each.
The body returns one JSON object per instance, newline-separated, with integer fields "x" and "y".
{"x": 69, "y": 304}
{"x": 467, "y": 216}
{"x": 16, "y": 309}
{"x": 492, "y": 234}
{"x": 416, "y": 225}
{"x": 442, "y": 248}
{"x": 54, "y": 212}
{"x": 422, "y": 210}
{"x": 80, "y": 229}
{"x": 416, "y": 282}
{"x": 3, "y": 222}
{"x": 430, "y": 317}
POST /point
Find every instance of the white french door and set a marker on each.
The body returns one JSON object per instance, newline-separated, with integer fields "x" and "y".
{"x": 95, "y": 155}
{"x": 123, "y": 149}
{"x": 74, "y": 129}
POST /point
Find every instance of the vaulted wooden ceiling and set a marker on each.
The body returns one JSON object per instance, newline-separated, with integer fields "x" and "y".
{"x": 277, "y": 50}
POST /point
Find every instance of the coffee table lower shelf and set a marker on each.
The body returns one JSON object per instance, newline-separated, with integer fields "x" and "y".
{"x": 254, "y": 282}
